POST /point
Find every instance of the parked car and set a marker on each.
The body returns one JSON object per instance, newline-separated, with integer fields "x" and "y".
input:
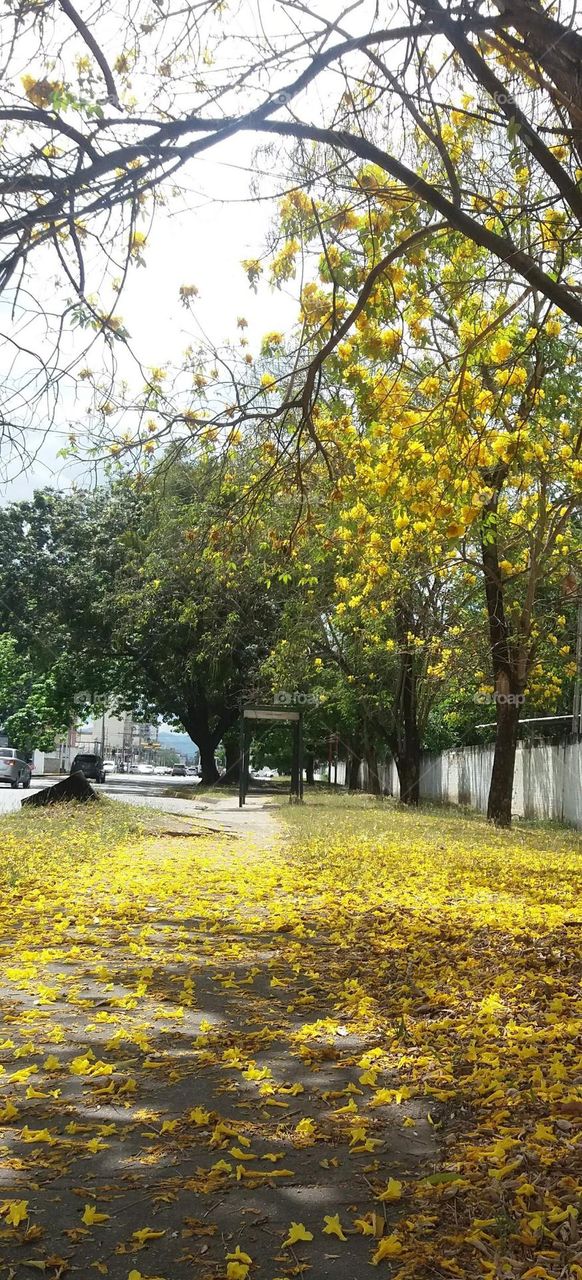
{"x": 90, "y": 765}
{"x": 145, "y": 768}
{"x": 110, "y": 766}
{"x": 178, "y": 770}
{"x": 14, "y": 768}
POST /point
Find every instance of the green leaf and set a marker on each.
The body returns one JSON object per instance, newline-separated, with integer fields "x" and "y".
{"x": 439, "y": 1179}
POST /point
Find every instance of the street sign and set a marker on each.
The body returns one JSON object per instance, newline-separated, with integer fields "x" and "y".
{"x": 269, "y": 713}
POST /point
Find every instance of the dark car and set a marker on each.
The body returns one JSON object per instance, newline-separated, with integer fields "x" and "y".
{"x": 178, "y": 770}
{"x": 91, "y": 766}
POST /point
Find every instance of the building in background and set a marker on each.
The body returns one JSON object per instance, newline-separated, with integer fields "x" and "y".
{"x": 113, "y": 736}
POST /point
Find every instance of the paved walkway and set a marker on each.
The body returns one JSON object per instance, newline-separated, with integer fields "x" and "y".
{"x": 255, "y": 819}
{"x": 178, "y": 1088}
{"x": 213, "y": 808}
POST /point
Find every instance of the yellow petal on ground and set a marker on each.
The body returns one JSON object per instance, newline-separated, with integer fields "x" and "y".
{"x": 239, "y": 1256}
{"x": 9, "y": 1112}
{"x": 393, "y": 1191}
{"x": 36, "y": 1135}
{"x": 91, "y": 1216}
{"x": 145, "y": 1233}
{"x": 365, "y": 1226}
{"x": 297, "y": 1233}
{"x": 333, "y": 1226}
{"x": 388, "y": 1247}
{"x": 14, "y": 1211}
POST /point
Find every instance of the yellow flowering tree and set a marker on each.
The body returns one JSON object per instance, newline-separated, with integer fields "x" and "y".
{"x": 447, "y": 403}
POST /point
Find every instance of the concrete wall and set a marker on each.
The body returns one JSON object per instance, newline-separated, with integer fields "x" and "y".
{"x": 547, "y": 783}
{"x": 44, "y": 763}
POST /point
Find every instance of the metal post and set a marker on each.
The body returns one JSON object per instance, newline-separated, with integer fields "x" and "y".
{"x": 294, "y": 792}
{"x": 300, "y": 756}
{"x": 247, "y": 758}
{"x": 241, "y": 775}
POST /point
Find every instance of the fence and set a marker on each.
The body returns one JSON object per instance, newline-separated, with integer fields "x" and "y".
{"x": 547, "y": 782}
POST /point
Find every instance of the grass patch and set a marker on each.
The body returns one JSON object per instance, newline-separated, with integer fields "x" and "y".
{"x": 457, "y": 948}
{"x": 39, "y": 844}
{"x": 406, "y": 967}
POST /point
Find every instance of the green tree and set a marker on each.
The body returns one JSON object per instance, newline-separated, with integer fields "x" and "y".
{"x": 156, "y": 599}
{"x": 33, "y": 711}
{"x": 192, "y": 609}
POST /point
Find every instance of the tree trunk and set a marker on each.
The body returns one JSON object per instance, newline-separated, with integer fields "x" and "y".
{"x": 373, "y": 786}
{"x": 208, "y": 771}
{"x": 207, "y": 746}
{"x": 501, "y": 786}
{"x": 406, "y": 739}
{"x": 310, "y": 768}
{"x": 558, "y": 50}
{"x": 408, "y": 767}
{"x": 505, "y": 661}
{"x": 353, "y": 770}
{"x": 232, "y": 753}
{"x": 197, "y": 722}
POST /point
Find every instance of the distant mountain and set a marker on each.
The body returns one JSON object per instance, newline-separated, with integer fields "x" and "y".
{"x": 180, "y": 742}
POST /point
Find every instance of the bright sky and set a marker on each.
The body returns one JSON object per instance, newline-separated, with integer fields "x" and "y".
{"x": 202, "y": 245}
{"x": 219, "y": 225}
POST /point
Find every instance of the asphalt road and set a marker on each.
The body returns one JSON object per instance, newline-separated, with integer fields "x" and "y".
{"x": 134, "y": 788}
{"x": 211, "y": 809}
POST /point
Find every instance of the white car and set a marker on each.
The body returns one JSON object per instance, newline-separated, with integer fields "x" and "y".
{"x": 145, "y": 768}
{"x": 14, "y": 768}
{"x": 109, "y": 766}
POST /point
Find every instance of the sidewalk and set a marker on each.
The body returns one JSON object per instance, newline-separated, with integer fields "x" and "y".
{"x": 177, "y": 1083}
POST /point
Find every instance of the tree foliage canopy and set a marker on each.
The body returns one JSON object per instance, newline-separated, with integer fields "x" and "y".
{"x": 101, "y": 123}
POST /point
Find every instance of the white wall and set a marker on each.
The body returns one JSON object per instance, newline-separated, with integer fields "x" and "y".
{"x": 547, "y": 782}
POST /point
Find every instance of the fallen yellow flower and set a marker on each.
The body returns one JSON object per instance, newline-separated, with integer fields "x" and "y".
{"x": 297, "y": 1233}
{"x": 91, "y": 1217}
{"x": 389, "y": 1247}
{"x": 333, "y": 1226}
{"x": 145, "y": 1233}
{"x": 36, "y": 1135}
{"x": 393, "y": 1191}
{"x": 15, "y": 1211}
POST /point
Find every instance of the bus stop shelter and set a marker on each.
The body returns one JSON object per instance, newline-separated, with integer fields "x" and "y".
{"x": 250, "y": 715}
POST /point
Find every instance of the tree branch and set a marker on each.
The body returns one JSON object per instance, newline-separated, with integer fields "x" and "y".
{"x": 98, "y": 54}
